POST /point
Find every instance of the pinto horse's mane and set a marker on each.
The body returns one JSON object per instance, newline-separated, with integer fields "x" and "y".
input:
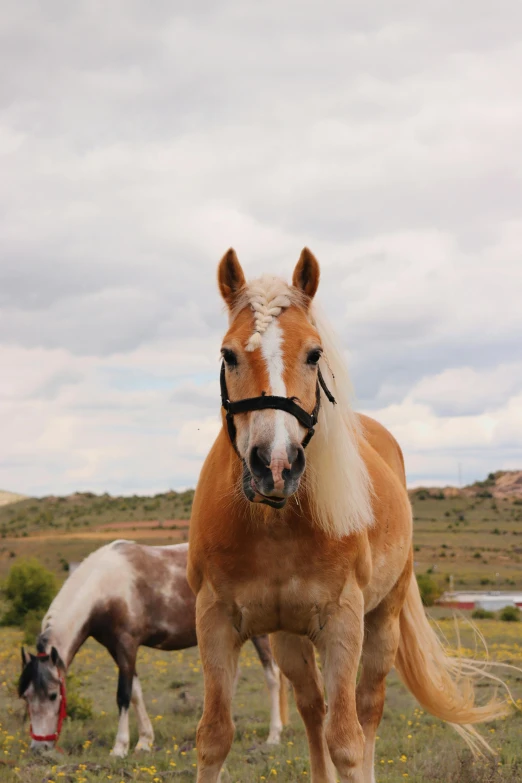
{"x": 72, "y": 606}
{"x": 336, "y": 479}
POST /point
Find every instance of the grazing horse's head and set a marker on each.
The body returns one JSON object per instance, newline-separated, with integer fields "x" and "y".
{"x": 41, "y": 684}
{"x": 272, "y": 348}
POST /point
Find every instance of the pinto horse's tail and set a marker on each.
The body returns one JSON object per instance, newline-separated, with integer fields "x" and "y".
{"x": 442, "y": 684}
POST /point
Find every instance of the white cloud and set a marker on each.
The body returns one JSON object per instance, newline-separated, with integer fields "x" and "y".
{"x": 138, "y": 144}
{"x": 465, "y": 390}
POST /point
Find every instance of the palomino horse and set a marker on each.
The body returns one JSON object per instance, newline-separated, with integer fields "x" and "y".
{"x": 124, "y": 595}
{"x": 317, "y": 552}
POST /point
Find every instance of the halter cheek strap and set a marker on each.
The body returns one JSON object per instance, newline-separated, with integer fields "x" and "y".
{"x": 62, "y": 714}
{"x": 264, "y": 401}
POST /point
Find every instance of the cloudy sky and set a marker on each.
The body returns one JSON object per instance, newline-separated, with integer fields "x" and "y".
{"x": 139, "y": 140}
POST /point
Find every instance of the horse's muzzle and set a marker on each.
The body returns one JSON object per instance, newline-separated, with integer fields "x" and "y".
{"x": 41, "y": 746}
{"x": 275, "y": 476}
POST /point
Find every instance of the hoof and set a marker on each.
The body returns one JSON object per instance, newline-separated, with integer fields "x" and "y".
{"x": 119, "y": 751}
{"x": 274, "y": 738}
{"x": 145, "y": 746}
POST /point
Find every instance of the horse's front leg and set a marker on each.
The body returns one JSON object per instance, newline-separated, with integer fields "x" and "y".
{"x": 145, "y": 730}
{"x": 125, "y": 657}
{"x": 296, "y": 658}
{"x": 338, "y": 635}
{"x": 219, "y": 647}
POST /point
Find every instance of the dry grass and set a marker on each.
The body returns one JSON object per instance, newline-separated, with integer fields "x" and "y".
{"x": 412, "y": 746}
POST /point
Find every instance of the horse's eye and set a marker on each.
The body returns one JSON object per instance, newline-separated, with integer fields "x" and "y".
{"x": 229, "y": 357}
{"x": 53, "y": 696}
{"x": 314, "y": 356}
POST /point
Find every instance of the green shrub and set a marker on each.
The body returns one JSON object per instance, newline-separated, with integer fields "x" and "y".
{"x": 78, "y": 707}
{"x": 429, "y": 589}
{"x": 482, "y": 614}
{"x": 510, "y": 614}
{"x": 29, "y": 587}
{"x": 32, "y": 625}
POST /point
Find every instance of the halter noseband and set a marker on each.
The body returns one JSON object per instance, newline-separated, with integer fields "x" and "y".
{"x": 286, "y": 404}
{"x": 62, "y": 714}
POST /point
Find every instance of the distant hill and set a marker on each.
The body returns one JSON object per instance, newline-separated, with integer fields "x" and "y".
{"x": 23, "y": 516}
{"x": 86, "y": 510}
{"x": 10, "y": 497}
{"x": 502, "y": 485}
{"x": 469, "y": 537}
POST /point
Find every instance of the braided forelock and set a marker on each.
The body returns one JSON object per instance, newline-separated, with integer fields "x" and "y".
{"x": 268, "y": 297}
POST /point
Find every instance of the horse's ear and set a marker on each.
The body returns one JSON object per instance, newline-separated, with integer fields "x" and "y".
{"x": 306, "y": 273}
{"x": 230, "y": 277}
{"x": 26, "y": 658}
{"x": 55, "y": 658}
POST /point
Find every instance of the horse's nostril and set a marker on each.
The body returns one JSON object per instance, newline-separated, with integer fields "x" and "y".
{"x": 298, "y": 465}
{"x": 296, "y": 458}
{"x": 259, "y": 462}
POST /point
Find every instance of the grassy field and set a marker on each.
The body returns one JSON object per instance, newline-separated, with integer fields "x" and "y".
{"x": 476, "y": 540}
{"x": 412, "y": 745}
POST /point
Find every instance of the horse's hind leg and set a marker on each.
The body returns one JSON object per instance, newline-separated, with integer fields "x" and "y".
{"x": 295, "y": 656}
{"x": 145, "y": 730}
{"x": 274, "y": 683}
{"x": 381, "y": 640}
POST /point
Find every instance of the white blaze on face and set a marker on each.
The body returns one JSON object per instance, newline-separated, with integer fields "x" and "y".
{"x": 272, "y": 350}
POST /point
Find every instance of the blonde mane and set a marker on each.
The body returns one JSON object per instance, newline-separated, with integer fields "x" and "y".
{"x": 337, "y": 481}
{"x": 336, "y": 478}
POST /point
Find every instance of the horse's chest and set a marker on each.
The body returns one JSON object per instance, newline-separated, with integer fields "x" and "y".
{"x": 280, "y": 583}
{"x": 265, "y": 606}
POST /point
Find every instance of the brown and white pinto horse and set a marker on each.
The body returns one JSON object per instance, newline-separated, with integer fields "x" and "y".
{"x": 124, "y": 595}
{"x": 317, "y": 552}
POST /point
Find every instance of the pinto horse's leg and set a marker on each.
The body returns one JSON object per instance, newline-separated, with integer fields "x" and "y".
{"x": 295, "y": 656}
{"x": 273, "y": 681}
{"x": 125, "y": 657}
{"x": 145, "y": 730}
{"x": 123, "y": 698}
{"x": 381, "y": 640}
{"x": 219, "y": 646}
{"x": 337, "y": 633}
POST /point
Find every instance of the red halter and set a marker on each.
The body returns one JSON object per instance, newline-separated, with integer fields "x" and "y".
{"x": 61, "y": 715}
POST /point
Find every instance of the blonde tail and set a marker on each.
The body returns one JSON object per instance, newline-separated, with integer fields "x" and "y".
{"x": 283, "y": 698}
{"x": 443, "y": 685}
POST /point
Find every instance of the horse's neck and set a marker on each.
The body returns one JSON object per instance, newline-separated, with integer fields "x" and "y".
{"x": 66, "y": 624}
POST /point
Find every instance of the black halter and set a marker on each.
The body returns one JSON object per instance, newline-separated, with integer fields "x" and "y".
{"x": 287, "y": 404}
